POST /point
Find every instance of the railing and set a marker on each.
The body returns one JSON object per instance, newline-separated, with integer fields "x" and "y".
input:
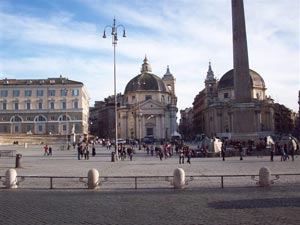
{"x": 7, "y": 153}
{"x": 144, "y": 182}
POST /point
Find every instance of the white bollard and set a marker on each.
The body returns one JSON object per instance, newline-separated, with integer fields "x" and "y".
{"x": 93, "y": 179}
{"x": 264, "y": 177}
{"x": 11, "y": 178}
{"x": 179, "y": 178}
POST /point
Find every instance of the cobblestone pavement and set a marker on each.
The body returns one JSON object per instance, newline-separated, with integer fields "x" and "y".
{"x": 235, "y": 206}
{"x": 240, "y": 202}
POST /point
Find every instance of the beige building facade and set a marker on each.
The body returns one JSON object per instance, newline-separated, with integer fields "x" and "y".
{"x": 43, "y": 106}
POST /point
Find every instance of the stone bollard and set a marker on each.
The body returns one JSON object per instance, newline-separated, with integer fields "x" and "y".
{"x": 93, "y": 179}
{"x": 11, "y": 178}
{"x": 264, "y": 177}
{"x": 179, "y": 178}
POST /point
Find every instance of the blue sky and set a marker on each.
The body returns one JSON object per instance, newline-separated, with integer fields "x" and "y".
{"x": 48, "y": 38}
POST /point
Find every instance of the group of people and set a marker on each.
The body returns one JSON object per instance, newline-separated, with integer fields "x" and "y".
{"x": 83, "y": 150}
{"x": 123, "y": 152}
{"x": 284, "y": 150}
{"x": 47, "y": 150}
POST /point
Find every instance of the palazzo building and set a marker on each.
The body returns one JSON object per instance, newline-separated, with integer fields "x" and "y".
{"x": 149, "y": 107}
{"x": 43, "y": 106}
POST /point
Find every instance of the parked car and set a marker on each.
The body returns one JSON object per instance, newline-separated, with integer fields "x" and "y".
{"x": 121, "y": 141}
{"x": 148, "y": 139}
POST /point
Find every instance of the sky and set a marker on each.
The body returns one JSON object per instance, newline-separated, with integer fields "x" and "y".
{"x": 40, "y": 39}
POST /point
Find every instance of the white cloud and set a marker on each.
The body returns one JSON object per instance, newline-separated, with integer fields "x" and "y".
{"x": 182, "y": 34}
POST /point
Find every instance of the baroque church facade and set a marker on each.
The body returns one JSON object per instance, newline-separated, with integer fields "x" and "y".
{"x": 149, "y": 106}
{"x": 214, "y": 107}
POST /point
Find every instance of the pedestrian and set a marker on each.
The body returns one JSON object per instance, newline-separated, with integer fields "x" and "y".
{"x": 282, "y": 153}
{"x": 93, "y": 151}
{"x": 272, "y": 152}
{"x": 130, "y": 153}
{"x": 292, "y": 150}
{"x": 160, "y": 154}
{"x": 223, "y": 151}
{"x": 50, "y": 151}
{"x": 45, "y": 150}
{"x": 79, "y": 150}
{"x": 181, "y": 156}
{"x": 240, "y": 148}
{"x": 189, "y": 155}
{"x": 151, "y": 150}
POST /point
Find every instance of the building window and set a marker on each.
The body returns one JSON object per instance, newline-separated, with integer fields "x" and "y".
{"x": 28, "y": 105}
{"x": 51, "y": 105}
{"x": 149, "y": 131}
{"x": 226, "y": 95}
{"x": 16, "y": 105}
{"x": 147, "y": 97}
{"x": 40, "y": 128}
{"x": 64, "y": 105}
{"x": 16, "y": 93}
{"x": 64, "y": 92}
{"x": 16, "y": 129}
{"x": 51, "y": 92}
{"x": 52, "y": 128}
{"x": 4, "y": 93}
{"x": 40, "y": 105}
{"x": 5, "y": 129}
{"x": 16, "y": 119}
{"x": 28, "y": 128}
{"x": 75, "y": 104}
{"x": 75, "y": 92}
{"x": 4, "y": 105}
{"x": 40, "y": 93}
{"x": 28, "y": 93}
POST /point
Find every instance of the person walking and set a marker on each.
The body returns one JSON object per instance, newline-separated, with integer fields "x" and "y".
{"x": 292, "y": 150}
{"x": 223, "y": 151}
{"x": 240, "y": 148}
{"x": 272, "y": 152}
{"x": 45, "y": 150}
{"x": 181, "y": 156}
{"x": 79, "y": 150}
{"x": 50, "y": 151}
{"x": 189, "y": 155}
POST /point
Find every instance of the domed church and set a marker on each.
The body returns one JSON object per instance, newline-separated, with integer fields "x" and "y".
{"x": 150, "y": 106}
{"x": 214, "y": 107}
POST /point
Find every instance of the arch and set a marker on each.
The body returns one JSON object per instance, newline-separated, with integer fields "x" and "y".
{"x": 16, "y": 119}
{"x": 64, "y": 117}
{"x": 40, "y": 118}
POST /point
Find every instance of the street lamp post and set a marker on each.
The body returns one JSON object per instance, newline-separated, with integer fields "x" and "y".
{"x": 140, "y": 127}
{"x": 114, "y": 34}
{"x": 65, "y": 90}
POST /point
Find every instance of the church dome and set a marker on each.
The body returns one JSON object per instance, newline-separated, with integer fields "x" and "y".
{"x": 146, "y": 81}
{"x": 226, "y": 81}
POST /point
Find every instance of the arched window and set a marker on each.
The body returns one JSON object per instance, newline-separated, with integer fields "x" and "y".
{"x": 16, "y": 119}
{"x": 40, "y": 118}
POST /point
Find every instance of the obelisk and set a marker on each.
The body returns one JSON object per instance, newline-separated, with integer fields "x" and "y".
{"x": 244, "y": 118}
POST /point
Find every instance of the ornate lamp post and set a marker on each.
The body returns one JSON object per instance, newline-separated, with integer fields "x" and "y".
{"x": 114, "y": 34}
